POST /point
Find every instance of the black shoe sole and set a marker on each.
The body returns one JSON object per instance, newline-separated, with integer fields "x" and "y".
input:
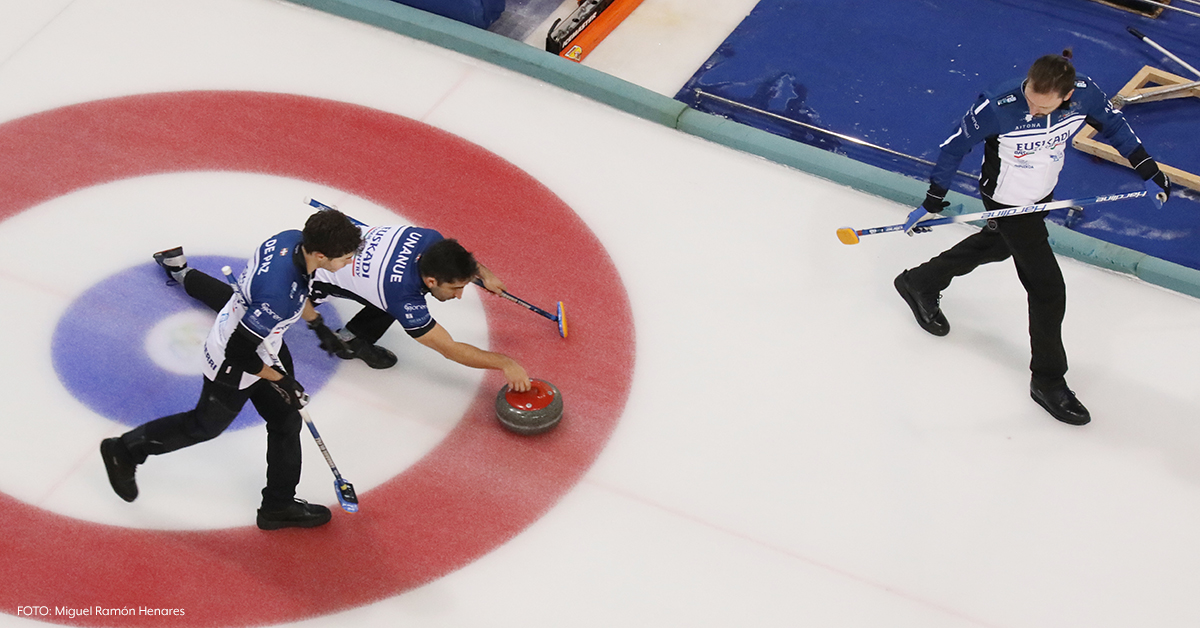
{"x": 388, "y": 360}
{"x": 902, "y": 287}
{"x": 312, "y": 522}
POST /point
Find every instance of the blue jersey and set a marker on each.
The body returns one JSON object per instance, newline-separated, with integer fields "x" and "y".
{"x": 385, "y": 274}
{"x": 270, "y": 297}
{"x": 1023, "y": 154}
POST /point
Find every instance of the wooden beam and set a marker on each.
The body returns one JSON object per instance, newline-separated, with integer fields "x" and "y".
{"x": 1149, "y": 11}
{"x": 1086, "y": 140}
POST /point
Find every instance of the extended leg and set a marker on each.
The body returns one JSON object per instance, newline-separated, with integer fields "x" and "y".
{"x": 217, "y": 408}
{"x": 922, "y": 286}
{"x": 212, "y": 292}
{"x": 207, "y": 289}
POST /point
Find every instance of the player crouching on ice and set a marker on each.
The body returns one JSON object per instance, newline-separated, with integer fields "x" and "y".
{"x": 398, "y": 268}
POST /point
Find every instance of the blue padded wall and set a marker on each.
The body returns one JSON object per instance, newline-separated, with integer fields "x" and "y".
{"x": 900, "y": 73}
{"x": 478, "y": 13}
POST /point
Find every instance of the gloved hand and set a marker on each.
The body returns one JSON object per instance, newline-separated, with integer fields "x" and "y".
{"x": 935, "y": 202}
{"x": 1157, "y": 183}
{"x": 1159, "y": 188}
{"x": 331, "y": 343}
{"x": 915, "y": 216}
{"x": 935, "y": 199}
{"x": 291, "y": 391}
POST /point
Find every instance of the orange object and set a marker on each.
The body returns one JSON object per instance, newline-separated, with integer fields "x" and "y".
{"x": 594, "y": 33}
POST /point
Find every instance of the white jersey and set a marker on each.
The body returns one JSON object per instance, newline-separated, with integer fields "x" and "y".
{"x": 1023, "y": 154}
{"x": 385, "y": 275}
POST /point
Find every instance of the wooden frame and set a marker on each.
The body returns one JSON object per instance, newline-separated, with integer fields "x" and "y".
{"x": 1150, "y": 11}
{"x": 1086, "y": 140}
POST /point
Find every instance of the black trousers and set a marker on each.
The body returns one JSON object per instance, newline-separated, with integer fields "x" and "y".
{"x": 219, "y": 404}
{"x": 369, "y": 324}
{"x": 1023, "y": 238}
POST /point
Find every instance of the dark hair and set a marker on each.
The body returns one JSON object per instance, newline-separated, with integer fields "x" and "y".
{"x": 1053, "y": 74}
{"x": 447, "y": 262}
{"x": 331, "y": 233}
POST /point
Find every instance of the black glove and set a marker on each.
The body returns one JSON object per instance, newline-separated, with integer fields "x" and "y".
{"x": 291, "y": 391}
{"x": 330, "y": 342}
{"x": 935, "y": 199}
{"x": 1148, "y": 169}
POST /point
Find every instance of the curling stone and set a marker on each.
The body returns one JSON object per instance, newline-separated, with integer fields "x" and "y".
{"x": 533, "y": 412}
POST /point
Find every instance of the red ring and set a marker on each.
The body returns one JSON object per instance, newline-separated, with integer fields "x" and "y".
{"x": 478, "y": 488}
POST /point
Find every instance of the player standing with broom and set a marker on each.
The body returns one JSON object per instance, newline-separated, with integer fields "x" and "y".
{"x": 1025, "y": 125}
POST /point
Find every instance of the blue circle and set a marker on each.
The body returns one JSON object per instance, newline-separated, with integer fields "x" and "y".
{"x": 98, "y": 346}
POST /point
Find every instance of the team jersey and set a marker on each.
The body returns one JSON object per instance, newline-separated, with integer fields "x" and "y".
{"x": 384, "y": 274}
{"x": 1023, "y": 154}
{"x": 269, "y": 298}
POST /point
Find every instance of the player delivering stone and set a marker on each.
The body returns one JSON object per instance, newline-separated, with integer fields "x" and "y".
{"x": 400, "y": 266}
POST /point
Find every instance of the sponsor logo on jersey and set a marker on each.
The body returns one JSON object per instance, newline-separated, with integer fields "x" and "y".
{"x": 1007, "y": 100}
{"x": 362, "y": 261}
{"x": 1023, "y": 149}
{"x": 973, "y": 120}
{"x": 266, "y": 307}
{"x": 1080, "y": 84}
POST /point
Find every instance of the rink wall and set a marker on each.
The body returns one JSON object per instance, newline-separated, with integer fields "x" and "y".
{"x": 641, "y": 102}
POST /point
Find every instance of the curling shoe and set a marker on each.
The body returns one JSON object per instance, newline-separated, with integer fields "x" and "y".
{"x": 374, "y": 355}
{"x": 925, "y": 307}
{"x": 300, "y": 514}
{"x": 174, "y": 262}
{"x": 121, "y": 468}
{"x": 1060, "y": 402}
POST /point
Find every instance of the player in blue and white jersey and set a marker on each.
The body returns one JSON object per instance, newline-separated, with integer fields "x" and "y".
{"x": 245, "y": 359}
{"x": 398, "y": 267}
{"x": 1025, "y": 126}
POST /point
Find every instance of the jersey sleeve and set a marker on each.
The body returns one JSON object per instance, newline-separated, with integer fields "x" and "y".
{"x": 1111, "y": 123}
{"x": 413, "y": 315}
{"x": 978, "y": 123}
{"x": 241, "y": 350}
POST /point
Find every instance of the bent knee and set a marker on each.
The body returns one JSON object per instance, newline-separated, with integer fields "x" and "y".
{"x": 210, "y": 419}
